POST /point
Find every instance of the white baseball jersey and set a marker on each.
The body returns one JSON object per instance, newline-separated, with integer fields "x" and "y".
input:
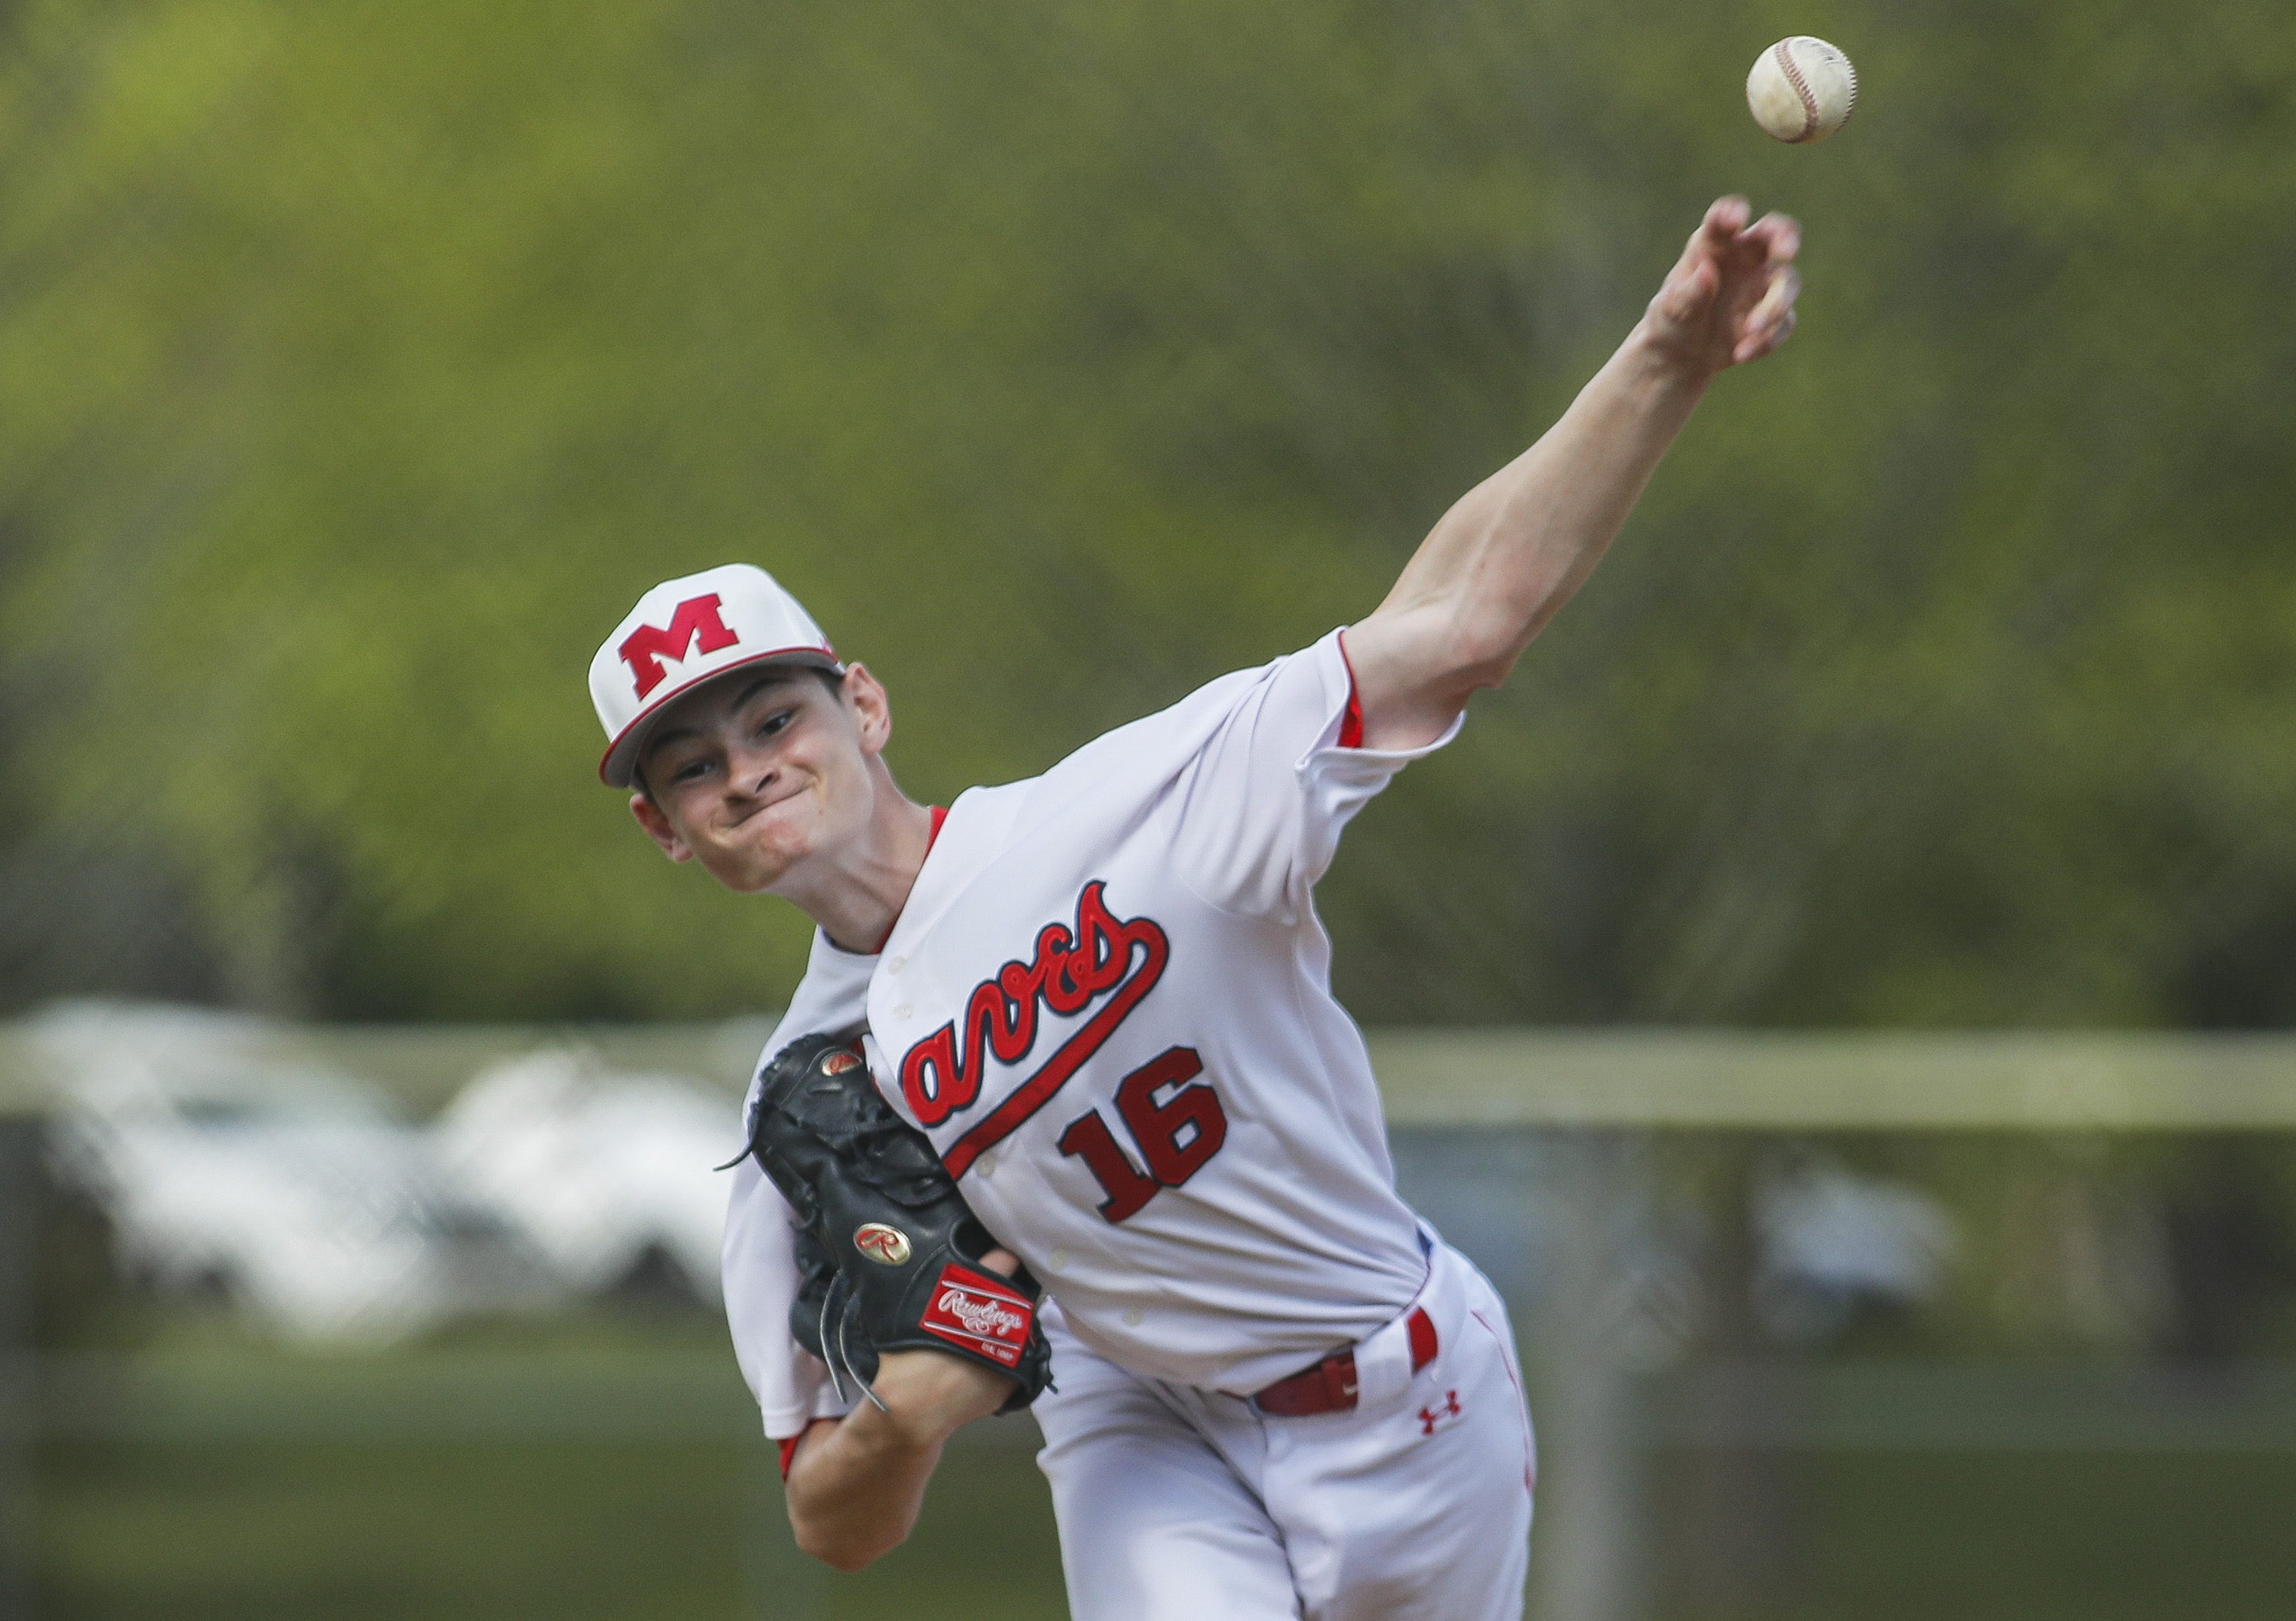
{"x": 1107, "y": 1002}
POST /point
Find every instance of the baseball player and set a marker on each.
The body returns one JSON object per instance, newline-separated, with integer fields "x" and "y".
{"x": 1102, "y": 995}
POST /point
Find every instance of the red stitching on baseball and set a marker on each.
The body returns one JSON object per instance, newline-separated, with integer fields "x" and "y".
{"x": 1801, "y": 88}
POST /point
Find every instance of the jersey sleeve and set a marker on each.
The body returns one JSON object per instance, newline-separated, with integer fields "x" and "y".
{"x": 792, "y": 1387}
{"x": 758, "y": 1260}
{"x": 1261, "y": 807}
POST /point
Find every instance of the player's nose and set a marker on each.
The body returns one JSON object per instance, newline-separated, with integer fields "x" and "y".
{"x": 749, "y": 773}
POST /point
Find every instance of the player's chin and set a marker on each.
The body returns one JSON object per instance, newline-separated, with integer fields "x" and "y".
{"x": 767, "y": 849}
{"x": 751, "y": 860}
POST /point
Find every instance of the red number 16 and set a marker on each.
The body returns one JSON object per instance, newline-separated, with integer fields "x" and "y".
{"x": 1176, "y": 1136}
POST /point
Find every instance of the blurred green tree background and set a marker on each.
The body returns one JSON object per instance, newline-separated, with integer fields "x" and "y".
{"x": 360, "y": 363}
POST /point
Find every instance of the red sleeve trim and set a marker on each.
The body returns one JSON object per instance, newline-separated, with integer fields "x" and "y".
{"x": 1351, "y": 721}
{"x": 788, "y": 1453}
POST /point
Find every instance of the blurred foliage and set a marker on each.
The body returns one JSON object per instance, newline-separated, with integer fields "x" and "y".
{"x": 359, "y": 364}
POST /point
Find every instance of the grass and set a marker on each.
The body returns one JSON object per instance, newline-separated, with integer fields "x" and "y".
{"x": 609, "y": 1469}
{"x": 605, "y": 1531}
{"x": 1984, "y": 1536}
{"x": 365, "y": 1531}
{"x": 595, "y": 1467}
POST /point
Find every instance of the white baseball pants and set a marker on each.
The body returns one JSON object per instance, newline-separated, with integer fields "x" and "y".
{"x": 1181, "y": 1504}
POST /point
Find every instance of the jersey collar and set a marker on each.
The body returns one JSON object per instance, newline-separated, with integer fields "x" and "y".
{"x": 940, "y": 816}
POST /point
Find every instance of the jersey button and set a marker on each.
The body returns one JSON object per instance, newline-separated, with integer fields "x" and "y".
{"x": 904, "y": 1010}
{"x": 985, "y": 1167}
{"x": 1132, "y": 1316}
{"x": 1058, "y": 1260}
{"x": 896, "y": 965}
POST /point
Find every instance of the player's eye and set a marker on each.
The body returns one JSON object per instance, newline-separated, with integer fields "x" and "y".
{"x": 691, "y": 772}
{"x": 773, "y": 723}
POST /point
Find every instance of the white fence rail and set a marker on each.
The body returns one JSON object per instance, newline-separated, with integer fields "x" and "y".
{"x": 1627, "y": 1078}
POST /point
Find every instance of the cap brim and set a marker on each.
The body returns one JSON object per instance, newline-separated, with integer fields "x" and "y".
{"x": 617, "y": 766}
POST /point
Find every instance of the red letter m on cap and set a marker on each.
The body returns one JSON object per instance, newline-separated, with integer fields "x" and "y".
{"x": 644, "y": 648}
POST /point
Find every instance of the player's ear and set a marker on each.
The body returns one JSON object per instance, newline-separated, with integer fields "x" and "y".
{"x": 658, "y": 827}
{"x": 873, "y": 710}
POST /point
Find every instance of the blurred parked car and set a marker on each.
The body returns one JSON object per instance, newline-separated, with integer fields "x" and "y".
{"x": 1833, "y": 1240}
{"x": 228, "y": 1165}
{"x": 609, "y": 1176}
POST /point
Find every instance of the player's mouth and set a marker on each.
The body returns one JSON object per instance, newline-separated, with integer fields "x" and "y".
{"x": 780, "y": 795}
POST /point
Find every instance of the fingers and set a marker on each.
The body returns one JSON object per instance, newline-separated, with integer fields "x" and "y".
{"x": 1688, "y": 293}
{"x": 1725, "y": 219}
{"x": 1777, "y": 235}
{"x": 1762, "y": 249}
{"x": 1777, "y": 301}
{"x": 1768, "y": 249}
{"x": 1760, "y": 339}
{"x": 1725, "y": 239}
{"x": 1735, "y": 284}
{"x": 1003, "y": 1263}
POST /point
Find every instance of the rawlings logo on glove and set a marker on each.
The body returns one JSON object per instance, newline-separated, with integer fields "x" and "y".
{"x": 889, "y": 1249}
{"x": 981, "y": 1314}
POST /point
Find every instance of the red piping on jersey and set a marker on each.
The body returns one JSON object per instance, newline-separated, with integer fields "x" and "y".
{"x": 1351, "y": 720}
{"x": 940, "y": 816}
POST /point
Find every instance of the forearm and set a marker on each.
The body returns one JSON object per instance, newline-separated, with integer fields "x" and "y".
{"x": 856, "y": 1486}
{"x": 1508, "y": 555}
{"x": 1514, "y": 548}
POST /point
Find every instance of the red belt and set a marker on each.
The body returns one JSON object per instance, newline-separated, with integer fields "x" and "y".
{"x": 1330, "y": 1385}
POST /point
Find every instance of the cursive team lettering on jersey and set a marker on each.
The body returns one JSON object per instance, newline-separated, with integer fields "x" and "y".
{"x": 1177, "y": 1120}
{"x": 1100, "y": 954}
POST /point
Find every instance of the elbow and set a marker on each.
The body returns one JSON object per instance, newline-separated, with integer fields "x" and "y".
{"x": 1456, "y": 641}
{"x": 1481, "y": 673}
{"x": 845, "y": 1548}
{"x": 845, "y": 1554}
{"x": 1481, "y": 643}
{"x": 851, "y": 1501}
{"x": 1477, "y": 666}
{"x": 845, "y": 1559}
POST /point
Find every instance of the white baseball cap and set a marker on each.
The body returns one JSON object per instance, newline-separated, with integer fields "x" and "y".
{"x": 688, "y": 631}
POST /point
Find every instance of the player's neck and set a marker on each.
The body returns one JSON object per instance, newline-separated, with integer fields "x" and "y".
{"x": 857, "y": 891}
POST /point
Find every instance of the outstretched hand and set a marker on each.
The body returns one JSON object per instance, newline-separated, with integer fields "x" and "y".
{"x": 1730, "y": 298}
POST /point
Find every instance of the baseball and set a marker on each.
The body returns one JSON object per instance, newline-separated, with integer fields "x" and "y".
{"x": 1801, "y": 89}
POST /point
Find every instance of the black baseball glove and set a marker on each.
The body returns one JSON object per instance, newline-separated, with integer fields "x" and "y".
{"x": 889, "y": 1249}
